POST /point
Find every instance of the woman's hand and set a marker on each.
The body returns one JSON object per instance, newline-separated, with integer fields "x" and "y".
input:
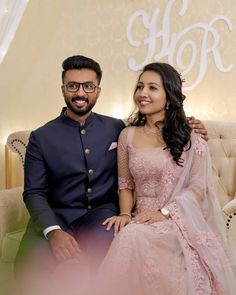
{"x": 148, "y": 217}
{"x": 118, "y": 221}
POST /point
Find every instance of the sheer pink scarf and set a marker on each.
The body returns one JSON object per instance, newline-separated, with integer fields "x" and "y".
{"x": 195, "y": 209}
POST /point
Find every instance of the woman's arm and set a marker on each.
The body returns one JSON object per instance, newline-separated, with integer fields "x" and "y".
{"x": 126, "y": 202}
{"x": 126, "y": 205}
{"x": 126, "y": 186}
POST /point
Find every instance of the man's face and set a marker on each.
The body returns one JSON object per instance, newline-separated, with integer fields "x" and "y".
{"x": 80, "y": 99}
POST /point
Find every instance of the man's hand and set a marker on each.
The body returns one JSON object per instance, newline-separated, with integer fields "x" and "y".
{"x": 198, "y": 127}
{"x": 63, "y": 245}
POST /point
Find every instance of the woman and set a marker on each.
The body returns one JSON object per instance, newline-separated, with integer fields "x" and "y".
{"x": 175, "y": 243}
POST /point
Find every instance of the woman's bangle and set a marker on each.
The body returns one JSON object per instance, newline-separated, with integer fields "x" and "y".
{"x": 125, "y": 214}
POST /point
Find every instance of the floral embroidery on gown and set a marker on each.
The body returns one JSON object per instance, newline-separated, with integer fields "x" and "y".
{"x": 184, "y": 255}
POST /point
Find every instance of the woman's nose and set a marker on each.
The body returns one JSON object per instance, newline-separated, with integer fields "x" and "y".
{"x": 143, "y": 92}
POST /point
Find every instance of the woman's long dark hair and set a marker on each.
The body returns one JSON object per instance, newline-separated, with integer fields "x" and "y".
{"x": 176, "y": 131}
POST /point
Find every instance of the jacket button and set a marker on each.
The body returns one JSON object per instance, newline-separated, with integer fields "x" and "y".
{"x": 83, "y": 131}
{"x": 87, "y": 151}
{"x": 89, "y": 207}
{"x": 89, "y": 190}
{"x": 90, "y": 171}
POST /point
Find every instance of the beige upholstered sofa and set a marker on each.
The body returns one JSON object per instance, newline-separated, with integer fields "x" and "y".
{"x": 222, "y": 144}
{"x": 13, "y": 214}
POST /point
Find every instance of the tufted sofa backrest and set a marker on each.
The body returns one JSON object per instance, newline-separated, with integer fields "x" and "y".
{"x": 222, "y": 145}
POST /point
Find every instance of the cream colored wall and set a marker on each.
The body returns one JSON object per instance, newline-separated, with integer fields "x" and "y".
{"x": 51, "y": 30}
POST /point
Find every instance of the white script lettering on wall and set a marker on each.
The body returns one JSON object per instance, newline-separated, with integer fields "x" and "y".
{"x": 181, "y": 49}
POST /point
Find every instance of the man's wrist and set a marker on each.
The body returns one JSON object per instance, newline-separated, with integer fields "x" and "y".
{"x": 49, "y": 229}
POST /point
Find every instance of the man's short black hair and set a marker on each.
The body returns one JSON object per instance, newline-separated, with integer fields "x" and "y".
{"x": 81, "y": 62}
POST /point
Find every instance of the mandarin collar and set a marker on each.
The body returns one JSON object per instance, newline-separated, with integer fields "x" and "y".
{"x": 74, "y": 123}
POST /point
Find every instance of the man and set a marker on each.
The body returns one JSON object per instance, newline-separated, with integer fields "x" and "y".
{"x": 71, "y": 172}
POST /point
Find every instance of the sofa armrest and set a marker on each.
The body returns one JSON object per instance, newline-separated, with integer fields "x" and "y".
{"x": 13, "y": 213}
{"x": 230, "y": 208}
{"x": 230, "y": 211}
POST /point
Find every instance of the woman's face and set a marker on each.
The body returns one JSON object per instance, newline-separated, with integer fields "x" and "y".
{"x": 150, "y": 96}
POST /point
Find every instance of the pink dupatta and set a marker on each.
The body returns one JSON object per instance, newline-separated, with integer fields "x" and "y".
{"x": 195, "y": 209}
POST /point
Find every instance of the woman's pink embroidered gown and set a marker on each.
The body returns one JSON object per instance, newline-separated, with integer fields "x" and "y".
{"x": 184, "y": 255}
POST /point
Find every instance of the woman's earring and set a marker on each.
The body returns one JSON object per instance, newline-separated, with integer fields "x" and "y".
{"x": 167, "y": 107}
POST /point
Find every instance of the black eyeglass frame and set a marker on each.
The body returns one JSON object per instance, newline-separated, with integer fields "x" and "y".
{"x": 78, "y": 87}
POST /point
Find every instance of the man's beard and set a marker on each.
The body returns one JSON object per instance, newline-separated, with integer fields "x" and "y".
{"x": 82, "y": 111}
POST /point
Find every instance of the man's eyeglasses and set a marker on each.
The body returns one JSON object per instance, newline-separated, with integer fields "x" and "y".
{"x": 73, "y": 87}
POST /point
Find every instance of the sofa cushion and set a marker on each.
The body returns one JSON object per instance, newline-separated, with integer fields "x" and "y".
{"x": 13, "y": 213}
{"x": 10, "y": 245}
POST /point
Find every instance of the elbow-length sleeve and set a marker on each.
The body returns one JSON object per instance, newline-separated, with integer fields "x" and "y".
{"x": 124, "y": 176}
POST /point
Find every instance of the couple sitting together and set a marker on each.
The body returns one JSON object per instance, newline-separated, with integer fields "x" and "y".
{"x": 162, "y": 233}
